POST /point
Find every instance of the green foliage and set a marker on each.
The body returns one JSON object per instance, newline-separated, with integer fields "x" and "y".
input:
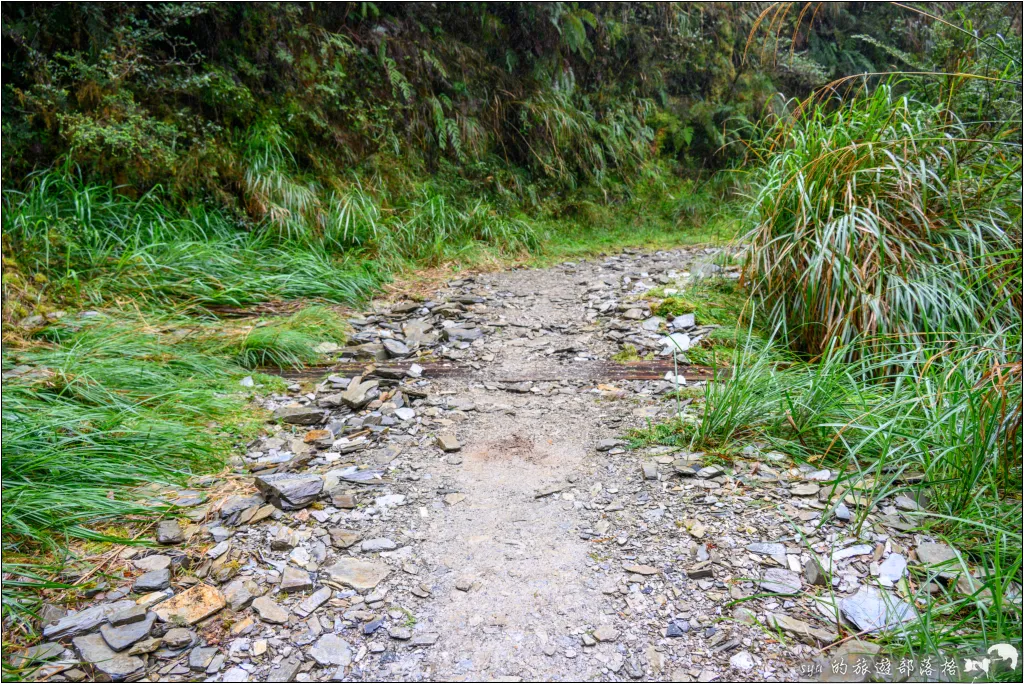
{"x": 713, "y": 301}
{"x": 91, "y": 242}
{"x": 106, "y": 407}
{"x": 887, "y": 249}
{"x": 627, "y": 354}
{"x": 267, "y": 103}
{"x": 289, "y": 342}
{"x": 103, "y": 417}
{"x": 887, "y": 219}
{"x": 953, "y": 417}
{"x": 674, "y": 306}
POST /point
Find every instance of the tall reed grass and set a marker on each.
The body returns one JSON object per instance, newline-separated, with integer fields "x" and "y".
{"x": 94, "y": 243}
{"x": 886, "y": 219}
{"x": 887, "y": 255}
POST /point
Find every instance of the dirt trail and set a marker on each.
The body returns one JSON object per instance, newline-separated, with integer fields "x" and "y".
{"x": 488, "y": 524}
{"x": 527, "y": 567}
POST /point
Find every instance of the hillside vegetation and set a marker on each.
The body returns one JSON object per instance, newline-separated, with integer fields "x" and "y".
{"x": 194, "y": 191}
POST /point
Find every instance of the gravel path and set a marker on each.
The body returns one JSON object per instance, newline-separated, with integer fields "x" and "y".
{"x": 487, "y": 524}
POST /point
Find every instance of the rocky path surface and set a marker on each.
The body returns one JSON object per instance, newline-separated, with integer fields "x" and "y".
{"x": 486, "y": 523}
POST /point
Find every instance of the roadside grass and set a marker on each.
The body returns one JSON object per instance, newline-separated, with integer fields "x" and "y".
{"x": 722, "y": 302}
{"x": 712, "y": 300}
{"x": 142, "y": 390}
{"x": 99, "y": 408}
{"x": 75, "y": 244}
{"x": 885, "y": 220}
{"x": 887, "y": 254}
{"x": 944, "y": 430}
{"x": 656, "y": 215}
{"x": 573, "y": 239}
{"x": 285, "y": 342}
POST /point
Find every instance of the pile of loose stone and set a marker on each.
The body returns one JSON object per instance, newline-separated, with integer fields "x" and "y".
{"x": 616, "y": 300}
{"x": 293, "y": 561}
{"x": 701, "y": 553}
{"x": 306, "y": 564}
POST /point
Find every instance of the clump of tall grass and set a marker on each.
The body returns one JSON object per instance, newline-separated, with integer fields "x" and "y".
{"x": 886, "y": 217}
{"x": 92, "y": 242}
{"x": 887, "y": 249}
{"x": 430, "y": 227}
{"x": 426, "y": 224}
{"x": 95, "y": 389}
{"x": 105, "y": 407}
{"x": 97, "y": 406}
{"x": 288, "y": 342}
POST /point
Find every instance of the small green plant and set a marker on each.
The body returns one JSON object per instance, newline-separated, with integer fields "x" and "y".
{"x": 674, "y": 306}
{"x": 628, "y": 354}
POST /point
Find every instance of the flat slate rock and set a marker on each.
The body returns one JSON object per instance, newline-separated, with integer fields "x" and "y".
{"x": 237, "y": 594}
{"x": 939, "y": 555}
{"x": 286, "y": 670}
{"x": 892, "y": 570}
{"x": 312, "y": 602}
{"x": 49, "y": 657}
{"x": 396, "y": 348}
{"x": 548, "y": 490}
{"x": 154, "y": 580}
{"x": 295, "y": 579}
{"x": 767, "y": 548}
{"x": 117, "y": 667}
{"x": 154, "y": 562}
{"x": 290, "y": 491}
{"x": 779, "y": 581}
{"x": 801, "y": 629}
{"x": 358, "y": 394}
{"x": 448, "y": 442}
{"x": 460, "y": 334}
{"x": 425, "y": 639}
{"x": 128, "y": 616}
{"x": 343, "y": 539}
{"x": 84, "y": 620}
{"x": 299, "y": 415}
{"x": 805, "y": 489}
{"x": 871, "y": 610}
{"x": 331, "y": 649}
{"x": 358, "y": 574}
{"x": 191, "y": 605}
{"x": 120, "y": 638}
{"x": 851, "y": 551}
{"x": 270, "y": 610}
{"x": 199, "y": 658}
{"x": 365, "y": 476}
{"x": 169, "y": 532}
{"x": 419, "y": 333}
{"x": 378, "y": 545}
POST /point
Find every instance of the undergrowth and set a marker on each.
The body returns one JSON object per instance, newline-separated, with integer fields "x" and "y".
{"x": 130, "y": 377}
{"x": 101, "y": 407}
{"x": 887, "y": 258}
